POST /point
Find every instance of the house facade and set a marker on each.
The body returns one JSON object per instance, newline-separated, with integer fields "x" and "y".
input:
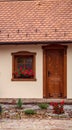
{"x": 36, "y": 49}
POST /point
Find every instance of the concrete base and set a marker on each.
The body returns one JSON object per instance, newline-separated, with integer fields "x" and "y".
{"x": 33, "y": 101}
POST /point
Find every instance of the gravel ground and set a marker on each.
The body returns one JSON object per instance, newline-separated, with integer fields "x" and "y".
{"x": 10, "y": 111}
{"x": 45, "y": 120}
{"x": 35, "y": 124}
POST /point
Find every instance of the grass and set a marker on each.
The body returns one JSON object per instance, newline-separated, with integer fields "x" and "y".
{"x": 19, "y": 103}
{"x": 43, "y": 106}
{"x": 30, "y": 112}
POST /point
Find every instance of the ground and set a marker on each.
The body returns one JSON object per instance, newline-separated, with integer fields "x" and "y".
{"x": 35, "y": 124}
{"x": 13, "y": 119}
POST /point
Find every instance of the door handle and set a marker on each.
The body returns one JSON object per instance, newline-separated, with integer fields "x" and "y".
{"x": 49, "y": 73}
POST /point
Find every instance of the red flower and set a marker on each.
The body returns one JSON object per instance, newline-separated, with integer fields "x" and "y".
{"x": 62, "y": 103}
{"x": 20, "y": 68}
{"x": 22, "y": 72}
{"x": 26, "y": 72}
{"x": 33, "y": 73}
{"x": 16, "y": 73}
{"x": 51, "y": 103}
{"x": 55, "y": 104}
{"x": 62, "y": 109}
{"x": 58, "y": 108}
{"x": 30, "y": 70}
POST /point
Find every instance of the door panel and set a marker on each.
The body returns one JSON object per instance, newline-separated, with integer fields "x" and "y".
{"x": 55, "y": 65}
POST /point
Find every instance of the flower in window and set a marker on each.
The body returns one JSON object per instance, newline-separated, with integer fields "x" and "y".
{"x": 24, "y": 73}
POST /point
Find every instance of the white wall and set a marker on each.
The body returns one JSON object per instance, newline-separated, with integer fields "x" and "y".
{"x": 20, "y": 89}
{"x": 27, "y": 89}
{"x": 69, "y": 72}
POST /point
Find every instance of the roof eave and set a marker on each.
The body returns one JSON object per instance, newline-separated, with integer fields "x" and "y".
{"x": 36, "y": 42}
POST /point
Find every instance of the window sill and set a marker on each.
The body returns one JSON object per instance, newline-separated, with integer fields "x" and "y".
{"x": 17, "y": 79}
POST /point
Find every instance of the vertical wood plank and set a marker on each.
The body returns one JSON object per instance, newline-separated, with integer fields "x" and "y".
{"x": 44, "y": 73}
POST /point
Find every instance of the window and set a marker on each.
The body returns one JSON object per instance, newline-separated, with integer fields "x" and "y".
{"x": 23, "y": 66}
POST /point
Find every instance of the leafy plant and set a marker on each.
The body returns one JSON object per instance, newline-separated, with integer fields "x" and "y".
{"x": 43, "y": 105}
{"x": 30, "y": 112}
{"x": 58, "y": 108}
{"x": 19, "y": 103}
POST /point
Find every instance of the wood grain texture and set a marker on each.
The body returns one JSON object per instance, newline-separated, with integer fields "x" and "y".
{"x": 54, "y": 71}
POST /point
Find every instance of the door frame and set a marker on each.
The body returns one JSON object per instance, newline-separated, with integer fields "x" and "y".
{"x": 45, "y": 49}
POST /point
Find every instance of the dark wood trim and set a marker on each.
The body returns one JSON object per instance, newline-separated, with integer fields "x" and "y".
{"x": 13, "y": 64}
{"x": 44, "y": 73}
{"x": 23, "y": 53}
{"x": 54, "y": 46}
{"x": 33, "y": 79}
{"x": 36, "y": 42}
{"x": 45, "y": 49}
{"x": 34, "y": 64}
{"x": 65, "y": 73}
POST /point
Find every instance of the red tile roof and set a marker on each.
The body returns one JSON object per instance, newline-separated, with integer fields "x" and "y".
{"x": 35, "y": 20}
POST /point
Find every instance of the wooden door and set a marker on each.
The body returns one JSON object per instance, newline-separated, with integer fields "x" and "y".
{"x": 55, "y": 73}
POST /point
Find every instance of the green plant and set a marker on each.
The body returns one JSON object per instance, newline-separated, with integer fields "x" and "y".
{"x": 43, "y": 106}
{"x": 58, "y": 108}
{"x": 0, "y": 109}
{"x": 19, "y": 103}
{"x": 30, "y": 112}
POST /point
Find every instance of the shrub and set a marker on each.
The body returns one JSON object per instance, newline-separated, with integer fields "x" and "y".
{"x": 58, "y": 108}
{"x": 19, "y": 103}
{"x": 43, "y": 105}
{"x": 30, "y": 112}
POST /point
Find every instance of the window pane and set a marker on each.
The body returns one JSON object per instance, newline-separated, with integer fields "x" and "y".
{"x": 24, "y": 62}
{"x": 28, "y": 63}
{"x": 20, "y": 62}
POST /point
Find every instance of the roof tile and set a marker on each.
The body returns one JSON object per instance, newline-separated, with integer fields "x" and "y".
{"x": 37, "y": 20}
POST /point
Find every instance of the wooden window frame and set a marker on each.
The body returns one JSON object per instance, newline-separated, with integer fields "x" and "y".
{"x": 23, "y": 53}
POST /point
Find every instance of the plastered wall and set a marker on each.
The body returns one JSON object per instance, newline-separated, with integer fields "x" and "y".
{"x": 27, "y": 89}
{"x": 69, "y": 72}
{"x": 20, "y": 89}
